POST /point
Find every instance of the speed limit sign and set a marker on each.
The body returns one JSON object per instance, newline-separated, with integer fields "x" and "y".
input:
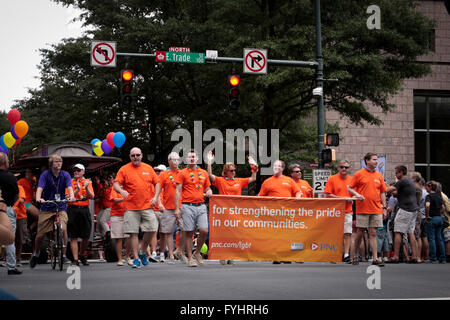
{"x": 320, "y": 178}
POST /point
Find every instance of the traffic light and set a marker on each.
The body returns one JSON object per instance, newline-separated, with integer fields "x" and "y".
{"x": 328, "y": 155}
{"x": 233, "y": 81}
{"x": 126, "y": 85}
{"x": 331, "y": 139}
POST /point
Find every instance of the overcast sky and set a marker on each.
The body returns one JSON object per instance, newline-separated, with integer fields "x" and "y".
{"x": 26, "y": 27}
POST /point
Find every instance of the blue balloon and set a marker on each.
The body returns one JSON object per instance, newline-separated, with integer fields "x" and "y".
{"x": 119, "y": 139}
{"x": 2, "y": 143}
{"x": 5, "y": 151}
{"x": 94, "y": 141}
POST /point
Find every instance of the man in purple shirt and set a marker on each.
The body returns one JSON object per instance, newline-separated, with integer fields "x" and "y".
{"x": 52, "y": 186}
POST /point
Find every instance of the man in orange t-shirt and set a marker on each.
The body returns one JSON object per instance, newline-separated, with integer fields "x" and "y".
{"x": 21, "y": 223}
{"x": 368, "y": 185}
{"x": 337, "y": 187}
{"x": 138, "y": 184}
{"x": 296, "y": 174}
{"x": 192, "y": 185}
{"x": 279, "y": 185}
{"x": 79, "y": 216}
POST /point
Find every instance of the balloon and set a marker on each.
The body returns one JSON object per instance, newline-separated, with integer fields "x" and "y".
{"x": 110, "y": 139}
{"x": 13, "y": 116}
{"x": 21, "y": 128}
{"x": 119, "y": 139}
{"x": 9, "y": 139}
{"x": 13, "y": 132}
{"x": 106, "y": 147}
{"x": 94, "y": 141}
{"x": 204, "y": 248}
{"x": 18, "y": 141}
{"x": 5, "y": 151}
{"x": 2, "y": 142}
{"x": 98, "y": 151}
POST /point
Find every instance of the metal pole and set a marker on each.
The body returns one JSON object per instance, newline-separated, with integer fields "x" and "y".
{"x": 319, "y": 83}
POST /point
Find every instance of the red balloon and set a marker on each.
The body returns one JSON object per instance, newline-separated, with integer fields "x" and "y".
{"x": 18, "y": 141}
{"x": 109, "y": 139}
{"x": 13, "y": 116}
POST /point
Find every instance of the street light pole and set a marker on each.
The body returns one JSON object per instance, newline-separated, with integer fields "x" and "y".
{"x": 319, "y": 84}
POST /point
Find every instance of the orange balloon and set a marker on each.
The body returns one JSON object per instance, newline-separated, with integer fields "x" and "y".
{"x": 21, "y": 128}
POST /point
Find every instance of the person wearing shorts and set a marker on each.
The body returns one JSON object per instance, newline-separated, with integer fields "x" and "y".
{"x": 79, "y": 216}
{"x": 336, "y": 187}
{"x": 405, "y": 220}
{"x": 139, "y": 185}
{"x": 116, "y": 216}
{"x": 368, "y": 186}
{"x": 168, "y": 220}
{"x": 52, "y": 185}
{"x": 192, "y": 183}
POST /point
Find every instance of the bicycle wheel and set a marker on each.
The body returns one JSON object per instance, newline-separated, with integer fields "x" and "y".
{"x": 59, "y": 247}
{"x": 52, "y": 250}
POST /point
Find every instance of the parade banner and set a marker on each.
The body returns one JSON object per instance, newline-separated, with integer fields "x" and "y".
{"x": 282, "y": 229}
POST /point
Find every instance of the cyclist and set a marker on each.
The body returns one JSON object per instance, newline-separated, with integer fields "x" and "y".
{"x": 51, "y": 186}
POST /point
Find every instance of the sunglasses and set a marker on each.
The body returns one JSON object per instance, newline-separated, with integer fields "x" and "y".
{"x": 232, "y": 170}
{"x": 135, "y": 155}
{"x": 296, "y": 171}
{"x": 344, "y": 167}
{"x": 76, "y": 170}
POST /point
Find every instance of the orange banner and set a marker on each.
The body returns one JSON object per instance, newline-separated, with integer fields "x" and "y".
{"x": 282, "y": 229}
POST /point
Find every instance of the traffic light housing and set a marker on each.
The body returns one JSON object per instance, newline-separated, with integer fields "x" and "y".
{"x": 126, "y": 87}
{"x": 328, "y": 155}
{"x": 331, "y": 139}
{"x": 234, "y": 81}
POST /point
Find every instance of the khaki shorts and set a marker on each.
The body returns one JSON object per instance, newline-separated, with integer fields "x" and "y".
{"x": 21, "y": 231}
{"x": 117, "y": 228}
{"x": 168, "y": 221}
{"x": 45, "y": 223}
{"x": 405, "y": 221}
{"x": 348, "y": 228}
{"x": 364, "y": 220}
{"x": 145, "y": 220}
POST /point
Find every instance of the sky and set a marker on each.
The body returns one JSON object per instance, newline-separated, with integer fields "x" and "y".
{"x": 25, "y": 27}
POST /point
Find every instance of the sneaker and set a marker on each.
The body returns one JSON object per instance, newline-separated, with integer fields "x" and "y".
{"x": 75, "y": 263}
{"x": 443, "y": 261}
{"x": 120, "y": 263}
{"x": 181, "y": 257}
{"x": 84, "y": 260}
{"x": 143, "y": 258}
{"x": 14, "y": 271}
{"x": 162, "y": 257}
{"x": 346, "y": 259}
{"x": 136, "y": 264}
{"x": 130, "y": 261}
{"x": 231, "y": 262}
{"x": 33, "y": 261}
{"x": 65, "y": 260}
{"x": 192, "y": 263}
{"x": 153, "y": 257}
{"x": 223, "y": 262}
{"x": 199, "y": 258}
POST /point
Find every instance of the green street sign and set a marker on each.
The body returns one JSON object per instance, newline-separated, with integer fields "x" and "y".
{"x": 185, "y": 57}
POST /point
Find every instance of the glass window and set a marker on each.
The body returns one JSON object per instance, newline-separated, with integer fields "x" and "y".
{"x": 420, "y": 114}
{"x": 420, "y": 147}
{"x": 439, "y": 108}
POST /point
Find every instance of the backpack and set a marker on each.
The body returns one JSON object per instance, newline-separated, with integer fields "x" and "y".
{"x": 446, "y": 214}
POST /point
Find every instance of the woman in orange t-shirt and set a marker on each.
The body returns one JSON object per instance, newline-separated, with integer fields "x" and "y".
{"x": 228, "y": 184}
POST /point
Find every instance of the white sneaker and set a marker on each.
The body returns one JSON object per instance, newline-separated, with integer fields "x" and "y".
{"x": 162, "y": 257}
{"x": 130, "y": 261}
{"x": 153, "y": 257}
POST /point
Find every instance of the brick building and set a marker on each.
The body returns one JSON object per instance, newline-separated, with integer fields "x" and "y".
{"x": 417, "y": 133}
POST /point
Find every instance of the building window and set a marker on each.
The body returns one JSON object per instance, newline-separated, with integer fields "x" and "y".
{"x": 432, "y": 136}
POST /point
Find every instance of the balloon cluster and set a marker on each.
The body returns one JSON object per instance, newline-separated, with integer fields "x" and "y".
{"x": 113, "y": 139}
{"x": 19, "y": 129}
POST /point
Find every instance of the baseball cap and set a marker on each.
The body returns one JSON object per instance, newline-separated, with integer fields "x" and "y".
{"x": 161, "y": 167}
{"x": 79, "y": 166}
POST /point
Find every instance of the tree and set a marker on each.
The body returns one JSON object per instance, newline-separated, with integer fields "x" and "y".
{"x": 77, "y": 101}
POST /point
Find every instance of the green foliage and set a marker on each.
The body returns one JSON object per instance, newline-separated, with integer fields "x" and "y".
{"x": 80, "y": 102}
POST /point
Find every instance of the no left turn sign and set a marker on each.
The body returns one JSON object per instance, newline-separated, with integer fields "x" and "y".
{"x": 255, "y": 61}
{"x": 103, "y": 54}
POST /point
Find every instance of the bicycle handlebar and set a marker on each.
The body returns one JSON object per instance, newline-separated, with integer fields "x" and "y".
{"x": 63, "y": 201}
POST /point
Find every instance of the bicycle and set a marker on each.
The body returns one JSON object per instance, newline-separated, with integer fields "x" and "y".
{"x": 56, "y": 237}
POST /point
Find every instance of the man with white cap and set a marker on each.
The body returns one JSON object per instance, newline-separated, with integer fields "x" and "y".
{"x": 80, "y": 221}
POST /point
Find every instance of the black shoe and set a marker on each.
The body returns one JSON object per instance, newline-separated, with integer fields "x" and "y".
{"x": 346, "y": 259}
{"x": 84, "y": 261}
{"x": 33, "y": 261}
{"x": 14, "y": 271}
{"x": 75, "y": 263}
{"x": 276, "y": 262}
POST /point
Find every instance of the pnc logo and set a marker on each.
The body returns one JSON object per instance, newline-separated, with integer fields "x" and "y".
{"x": 314, "y": 246}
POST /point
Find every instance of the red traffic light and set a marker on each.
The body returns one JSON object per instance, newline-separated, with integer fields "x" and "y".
{"x": 234, "y": 80}
{"x": 127, "y": 75}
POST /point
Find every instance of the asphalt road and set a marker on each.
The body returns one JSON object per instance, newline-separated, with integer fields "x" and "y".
{"x": 244, "y": 281}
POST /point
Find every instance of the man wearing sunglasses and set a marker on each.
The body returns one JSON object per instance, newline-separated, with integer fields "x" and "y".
{"x": 138, "y": 184}
{"x": 296, "y": 174}
{"x": 336, "y": 187}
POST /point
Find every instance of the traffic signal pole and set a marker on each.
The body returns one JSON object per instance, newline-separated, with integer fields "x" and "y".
{"x": 319, "y": 84}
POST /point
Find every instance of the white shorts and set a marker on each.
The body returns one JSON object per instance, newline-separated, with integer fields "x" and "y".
{"x": 117, "y": 228}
